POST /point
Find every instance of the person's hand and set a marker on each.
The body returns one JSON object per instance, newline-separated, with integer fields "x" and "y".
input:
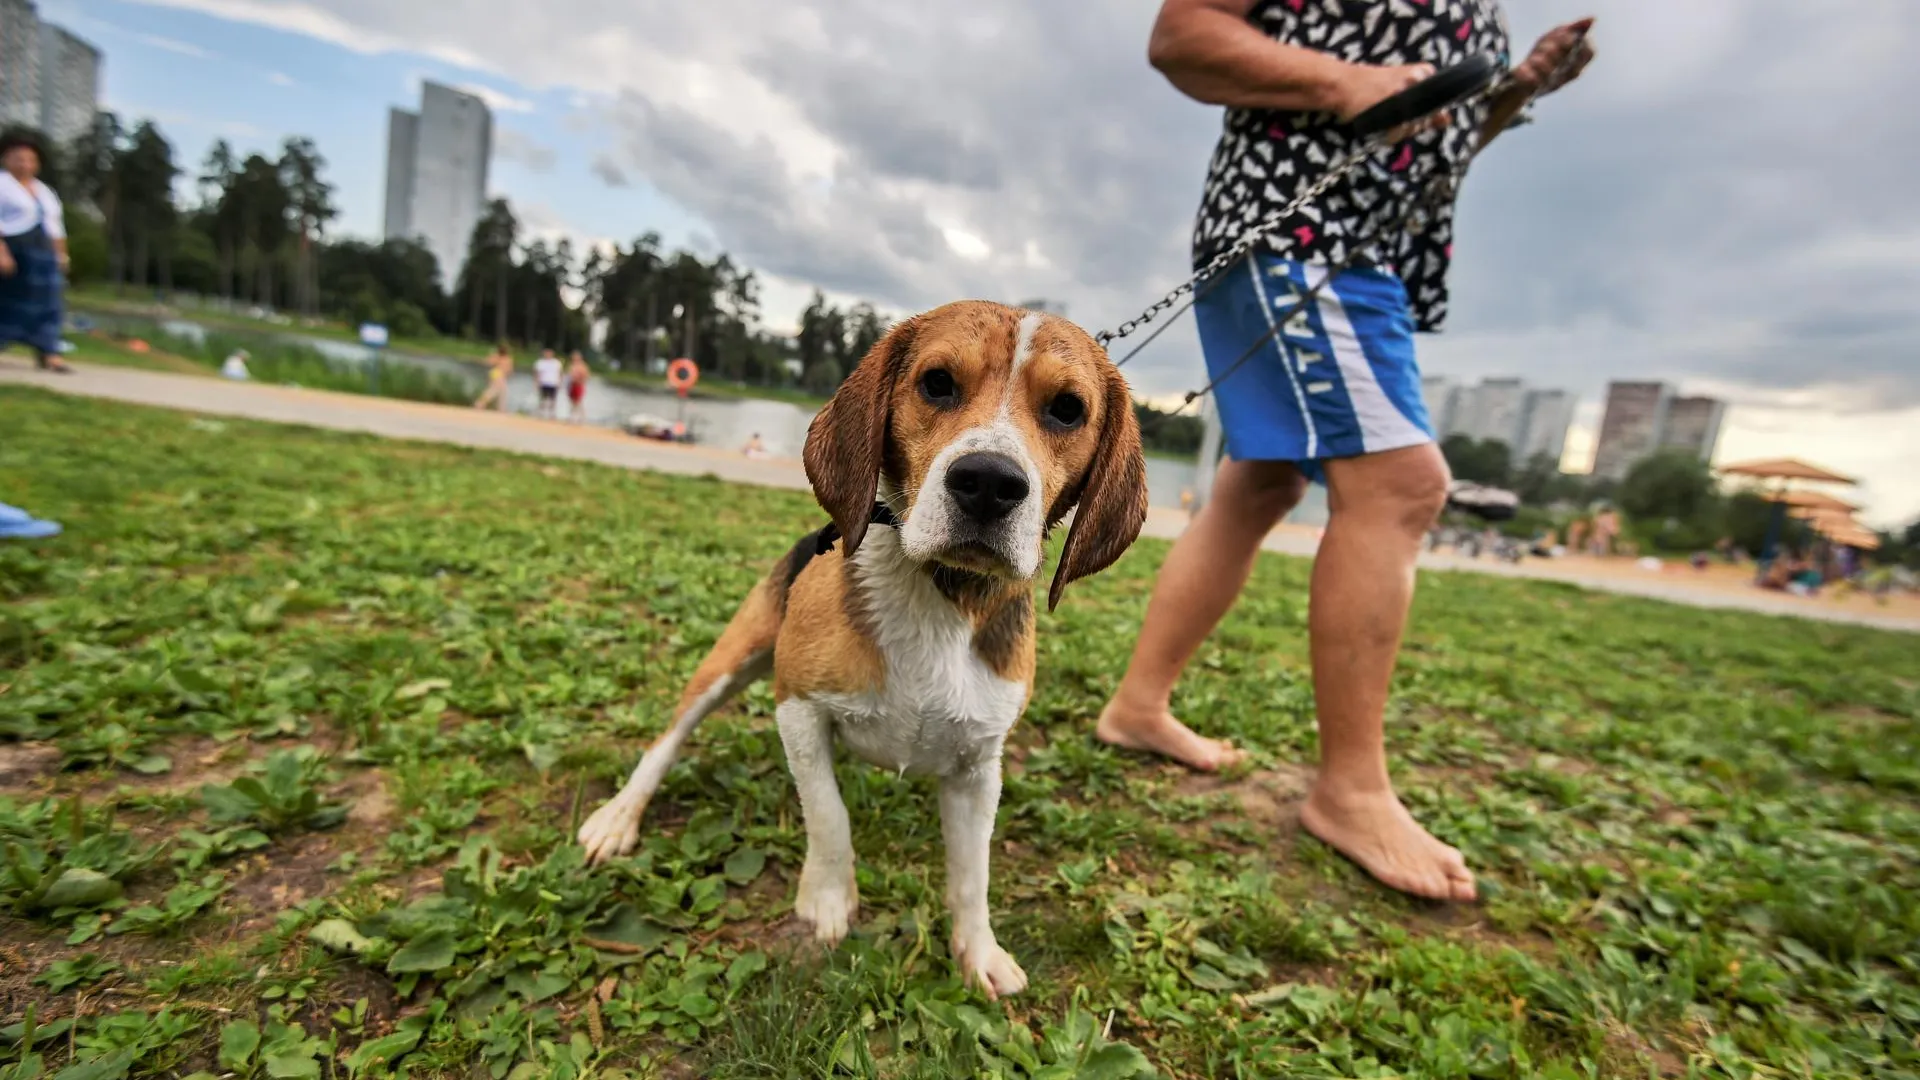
{"x": 7, "y": 265}
{"x": 1365, "y": 85}
{"x": 63, "y": 261}
{"x": 1557, "y": 59}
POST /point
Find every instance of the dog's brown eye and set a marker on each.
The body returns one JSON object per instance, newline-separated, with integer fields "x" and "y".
{"x": 938, "y": 388}
{"x": 1066, "y": 412}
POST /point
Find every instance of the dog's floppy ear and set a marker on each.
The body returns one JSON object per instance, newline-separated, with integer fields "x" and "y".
{"x": 847, "y": 441}
{"x": 1113, "y": 499}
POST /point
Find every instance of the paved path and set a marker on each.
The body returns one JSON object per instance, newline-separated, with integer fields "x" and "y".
{"x": 498, "y": 431}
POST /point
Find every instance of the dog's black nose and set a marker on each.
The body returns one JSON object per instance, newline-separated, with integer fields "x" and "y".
{"x": 986, "y": 487}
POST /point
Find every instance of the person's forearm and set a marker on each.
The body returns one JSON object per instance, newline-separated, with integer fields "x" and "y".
{"x": 60, "y": 247}
{"x": 1218, "y": 58}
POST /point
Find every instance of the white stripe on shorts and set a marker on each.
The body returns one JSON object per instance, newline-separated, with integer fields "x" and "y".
{"x": 1382, "y": 425}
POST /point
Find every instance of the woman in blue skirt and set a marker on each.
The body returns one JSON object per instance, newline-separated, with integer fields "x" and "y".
{"x": 33, "y": 253}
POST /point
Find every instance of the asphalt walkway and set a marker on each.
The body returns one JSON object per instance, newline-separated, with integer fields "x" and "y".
{"x": 499, "y": 431}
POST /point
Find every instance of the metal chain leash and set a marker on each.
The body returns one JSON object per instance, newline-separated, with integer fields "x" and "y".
{"x": 1340, "y": 168}
{"x": 1437, "y": 193}
{"x": 1333, "y": 174}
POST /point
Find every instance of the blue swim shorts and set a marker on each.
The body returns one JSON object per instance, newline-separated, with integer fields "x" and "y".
{"x": 1339, "y": 379}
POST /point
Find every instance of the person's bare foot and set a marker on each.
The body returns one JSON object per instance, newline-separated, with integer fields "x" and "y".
{"x": 1377, "y": 833}
{"x": 1159, "y": 733}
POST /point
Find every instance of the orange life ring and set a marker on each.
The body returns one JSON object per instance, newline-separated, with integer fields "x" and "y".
{"x": 682, "y": 374}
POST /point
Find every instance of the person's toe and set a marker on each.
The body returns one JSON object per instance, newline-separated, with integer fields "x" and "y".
{"x": 1458, "y": 879}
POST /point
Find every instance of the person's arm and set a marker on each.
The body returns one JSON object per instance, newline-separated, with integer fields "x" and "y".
{"x": 1210, "y": 52}
{"x": 53, "y": 215}
{"x": 1557, "y": 59}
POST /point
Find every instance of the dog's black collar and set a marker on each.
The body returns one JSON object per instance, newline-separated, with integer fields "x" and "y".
{"x": 831, "y": 534}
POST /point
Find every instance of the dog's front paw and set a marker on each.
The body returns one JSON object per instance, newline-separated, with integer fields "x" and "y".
{"x": 983, "y": 963}
{"x": 612, "y": 831}
{"x": 828, "y": 899}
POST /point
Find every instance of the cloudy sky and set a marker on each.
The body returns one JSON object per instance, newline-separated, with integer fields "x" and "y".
{"x": 1725, "y": 201}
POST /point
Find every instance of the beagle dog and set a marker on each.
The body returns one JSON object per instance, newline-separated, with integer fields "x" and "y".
{"x": 944, "y": 460}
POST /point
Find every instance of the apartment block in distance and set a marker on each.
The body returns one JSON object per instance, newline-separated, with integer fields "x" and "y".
{"x": 1530, "y": 420}
{"x": 69, "y": 84}
{"x": 1693, "y": 424}
{"x": 49, "y": 78}
{"x": 437, "y": 162}
{"x": 1643, "y": 418}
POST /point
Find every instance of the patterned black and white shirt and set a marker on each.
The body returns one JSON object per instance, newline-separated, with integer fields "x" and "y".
{"x": 1265, "y": 156}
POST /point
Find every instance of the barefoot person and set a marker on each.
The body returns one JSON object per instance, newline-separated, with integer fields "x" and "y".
{"x": 577, "y": 375}
{"x": 1338, "y": 401}
{"x": 499, "y": 370}
{"x": 547, "y": 373}
{"x": 33, "y": 253}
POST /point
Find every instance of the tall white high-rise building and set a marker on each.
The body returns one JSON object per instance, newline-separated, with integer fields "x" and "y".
{"x": 19, "y": 64}
{"x": 69, "y": 84}
{"x": 1442, "y": 398}
{"x": 1549, "y": 413}
{"x": 1529, "y": 420}
{"x": 49, "y": 78}
{"x": 1496, "y": 409}
{"x": 437, "y": 163}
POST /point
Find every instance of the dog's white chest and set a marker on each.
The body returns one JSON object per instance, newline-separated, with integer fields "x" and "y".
{"x": 941, "y": 707}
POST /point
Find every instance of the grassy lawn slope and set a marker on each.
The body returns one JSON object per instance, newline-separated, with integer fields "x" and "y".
{"x": 295, "y": 727}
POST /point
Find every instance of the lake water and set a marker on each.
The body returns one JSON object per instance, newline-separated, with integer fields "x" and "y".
{"x": 717, "y": 422}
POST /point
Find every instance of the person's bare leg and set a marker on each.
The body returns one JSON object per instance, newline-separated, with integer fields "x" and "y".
{"x": 1380, "y": 505}
{"x": 1198, "y": 583}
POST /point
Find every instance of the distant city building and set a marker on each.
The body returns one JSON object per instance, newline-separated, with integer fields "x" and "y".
{"x": 1495, "y": 409}
{"x": 1441, "y": 397}
{"x": 1529, "y": 420}
{"x": 69, "y": 84}
{"x": 437, "y": 163}
{"x": 1630, "y": 428}
{"x": 19, "y": 64}
{"x": 403, "y": 129}
{"x": 49, "y": 78}
{"x": 1693, "y": 425}
{"x": 1549, "y": 415}
{"x": 1643, "y": 418}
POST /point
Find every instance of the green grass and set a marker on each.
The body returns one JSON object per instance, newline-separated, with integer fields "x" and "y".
{"x": 1697, "y": 830}
{"x": 101, "y": 298}
{"x": 274, "y": 362}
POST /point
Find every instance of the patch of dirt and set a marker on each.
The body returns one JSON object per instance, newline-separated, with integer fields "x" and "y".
{"x": 28, "y": 949}
{"x": 197, "y": 760}
{"x": 371, "y": 805}
{"x": 347, "y": 983}
{"x": 291, "y": 872}
{"x": 1269, "y": 797}
{"x": 1566, "y": 766}
{"x": 23, "y": 766}
{"x": 1632, "y": 1050}
{"x": 1868, "y": 719}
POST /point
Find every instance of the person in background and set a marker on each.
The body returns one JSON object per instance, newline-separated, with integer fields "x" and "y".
{"x": 235, "y": 366}
{"x": 33, "y": 254}
{"x": 499, "y": 369}
{"x": 1606, "y": 531}
{"x": 754, "y": 448}
{"x": 546, "y": 375}
{"x": 1338, "y": 398}
{"x": 577, "y": 375}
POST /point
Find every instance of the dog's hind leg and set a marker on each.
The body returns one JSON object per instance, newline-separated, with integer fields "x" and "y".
{"x": 743, "y": 654}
